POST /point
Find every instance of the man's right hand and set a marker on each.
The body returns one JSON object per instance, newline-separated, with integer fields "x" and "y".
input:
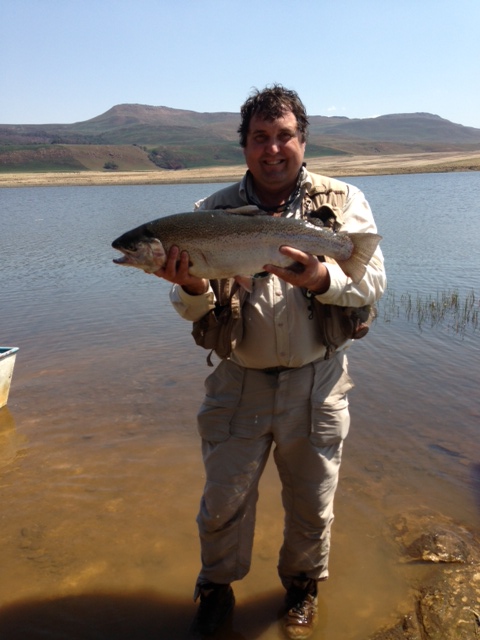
{"x": 176, "y": 270}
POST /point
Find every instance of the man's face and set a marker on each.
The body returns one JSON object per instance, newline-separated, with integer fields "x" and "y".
{"x": 274, "y": 152}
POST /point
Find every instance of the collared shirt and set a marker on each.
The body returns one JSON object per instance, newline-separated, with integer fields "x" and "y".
{"x": 279, "y": 329}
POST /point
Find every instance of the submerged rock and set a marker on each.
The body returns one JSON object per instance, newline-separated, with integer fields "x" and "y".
{"x": 430, "y": 537}
{"x": 446, "y": 605}
{"x": 439, "y": 546}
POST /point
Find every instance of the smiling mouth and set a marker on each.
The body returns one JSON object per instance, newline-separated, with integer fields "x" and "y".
{"x": 273, "y": 163}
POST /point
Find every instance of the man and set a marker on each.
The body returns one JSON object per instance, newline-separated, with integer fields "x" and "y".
{"x": 284, "y": 383}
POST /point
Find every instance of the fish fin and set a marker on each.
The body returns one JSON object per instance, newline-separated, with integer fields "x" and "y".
{"x": 245, "y": 282}
{"x": 247, "y": 210}
{"x": 364, "y": 246}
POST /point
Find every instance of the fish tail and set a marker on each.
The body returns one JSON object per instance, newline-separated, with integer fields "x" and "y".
{"x": 364, "y": 246}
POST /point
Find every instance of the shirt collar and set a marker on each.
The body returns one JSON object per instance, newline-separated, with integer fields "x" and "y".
{"x": 304, "y": 183}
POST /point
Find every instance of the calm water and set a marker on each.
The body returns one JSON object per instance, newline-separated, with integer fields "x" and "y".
{"x": 100, "y": 472}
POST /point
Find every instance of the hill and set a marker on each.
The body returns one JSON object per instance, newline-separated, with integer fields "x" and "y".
{"x": 141, "y": 137}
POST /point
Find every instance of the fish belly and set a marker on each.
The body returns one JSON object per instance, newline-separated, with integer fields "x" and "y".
{"x": 230, "y": 259}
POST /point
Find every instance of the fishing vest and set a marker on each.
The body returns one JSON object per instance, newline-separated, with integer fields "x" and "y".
{"x": 221, "y": 329}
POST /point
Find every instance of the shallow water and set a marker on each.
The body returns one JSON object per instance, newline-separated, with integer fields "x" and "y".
{"x": 100, "y": 470}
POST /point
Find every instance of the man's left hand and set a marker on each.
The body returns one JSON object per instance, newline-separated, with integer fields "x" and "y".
{"x": 307, "y": 271}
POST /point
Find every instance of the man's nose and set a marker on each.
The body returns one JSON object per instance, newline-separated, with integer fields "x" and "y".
{"x": 273, "y": 145}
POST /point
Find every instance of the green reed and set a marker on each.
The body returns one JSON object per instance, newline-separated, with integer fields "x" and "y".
{"x": 447, "y": 308}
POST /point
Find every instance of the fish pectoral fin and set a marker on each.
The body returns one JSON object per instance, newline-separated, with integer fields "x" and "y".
{"x": 247, "y": 210}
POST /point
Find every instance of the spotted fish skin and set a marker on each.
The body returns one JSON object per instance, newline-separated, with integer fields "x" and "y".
{"x": 225, "y": 244}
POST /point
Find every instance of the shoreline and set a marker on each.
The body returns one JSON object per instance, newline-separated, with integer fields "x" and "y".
{"x": 438, "y": 162}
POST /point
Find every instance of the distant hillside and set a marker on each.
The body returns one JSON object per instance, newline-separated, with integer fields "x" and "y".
{"x": 142, "y": 137}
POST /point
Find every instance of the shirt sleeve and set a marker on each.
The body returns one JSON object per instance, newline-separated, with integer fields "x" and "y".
{"x": 191, "y": 307}
{"x": 343, "y": 291}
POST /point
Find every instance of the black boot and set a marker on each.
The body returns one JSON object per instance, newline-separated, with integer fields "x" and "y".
{"x": 301, "y": 602}
{"x": 216, "y": 602}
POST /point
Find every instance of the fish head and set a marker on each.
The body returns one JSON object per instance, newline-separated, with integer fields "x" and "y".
{"x": 141, "y": 250}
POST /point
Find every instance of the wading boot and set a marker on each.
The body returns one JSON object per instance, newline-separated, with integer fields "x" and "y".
{"x": 301, "y": 602}
{"x": 216, "y": 602}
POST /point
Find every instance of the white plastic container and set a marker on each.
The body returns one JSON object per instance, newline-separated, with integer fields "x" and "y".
{"x": 7, "y": 362}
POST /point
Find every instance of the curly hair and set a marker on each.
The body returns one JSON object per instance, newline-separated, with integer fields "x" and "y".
{"x": 272, "y": 103}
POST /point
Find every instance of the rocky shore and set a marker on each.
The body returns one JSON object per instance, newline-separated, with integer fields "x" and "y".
{"x": 333, "y": 166}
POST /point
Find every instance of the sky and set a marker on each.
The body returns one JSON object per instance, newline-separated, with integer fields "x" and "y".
{"x": 65, "y": 61}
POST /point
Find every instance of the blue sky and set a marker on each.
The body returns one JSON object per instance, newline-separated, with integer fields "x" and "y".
{"x": 65, "y": 61}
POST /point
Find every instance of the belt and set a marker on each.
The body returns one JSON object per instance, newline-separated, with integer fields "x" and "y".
{"x": 277, "y": 370}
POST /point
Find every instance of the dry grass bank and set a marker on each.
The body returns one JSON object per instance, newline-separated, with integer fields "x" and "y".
{"x": 332, "y": 166}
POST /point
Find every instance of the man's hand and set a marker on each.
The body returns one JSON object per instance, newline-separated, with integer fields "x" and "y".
{"x": 307, "y": 271}
{"x": 175, "y": 270}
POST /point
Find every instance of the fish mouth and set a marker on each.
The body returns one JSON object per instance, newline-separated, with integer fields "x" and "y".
{"x": 124, "y": 259}
{"x": 127, "y": 257}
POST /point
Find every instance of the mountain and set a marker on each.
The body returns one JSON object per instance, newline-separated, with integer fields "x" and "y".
{"x": 134, "y": 136}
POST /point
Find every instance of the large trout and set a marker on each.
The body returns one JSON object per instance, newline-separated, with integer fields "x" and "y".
{"x": 226, "y": 244}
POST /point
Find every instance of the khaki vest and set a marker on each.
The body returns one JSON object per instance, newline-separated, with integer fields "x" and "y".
{"x": 221, "y": 329}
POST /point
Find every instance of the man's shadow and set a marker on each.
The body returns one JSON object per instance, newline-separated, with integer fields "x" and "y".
{"x": 135, "y": 616}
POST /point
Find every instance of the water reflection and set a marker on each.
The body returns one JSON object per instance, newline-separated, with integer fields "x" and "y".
{"x": 10, "y": 440}
{"x": 475, "y": 481}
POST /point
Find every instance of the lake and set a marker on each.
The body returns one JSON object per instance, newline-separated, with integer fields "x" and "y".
{"x": 100, "y": 467}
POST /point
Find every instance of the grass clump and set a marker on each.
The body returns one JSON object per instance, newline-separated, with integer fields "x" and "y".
{"x": 447, "y": 308}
